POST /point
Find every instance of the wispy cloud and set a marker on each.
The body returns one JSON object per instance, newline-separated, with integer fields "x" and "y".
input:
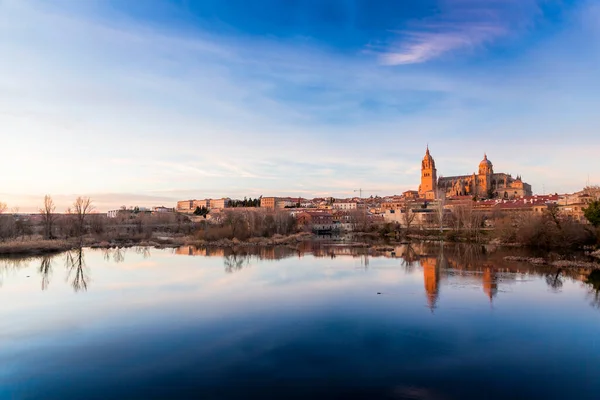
{"x": 460, "y": 25}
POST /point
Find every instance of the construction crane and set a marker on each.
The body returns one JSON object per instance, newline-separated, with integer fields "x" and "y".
{"x": 360, "y": 191}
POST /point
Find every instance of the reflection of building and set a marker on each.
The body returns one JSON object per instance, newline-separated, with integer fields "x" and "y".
{"x": 490, "y": 283}
{"x": 431, "y": 278}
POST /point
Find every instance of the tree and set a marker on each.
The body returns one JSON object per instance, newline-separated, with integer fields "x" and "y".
{"x": 592, "y": 213}
{"x": 439, "y": 209}
{"x": 6, "y": 223}
{"x": 48, "y": 217}
{"x": 408, "y": 216}
{"x": 81, "y": 208}
{"x": 554, "y": 213}
{"x": 201, "y": 211}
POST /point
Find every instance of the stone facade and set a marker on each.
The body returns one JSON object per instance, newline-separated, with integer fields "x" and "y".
{"x": 483, "y": 184}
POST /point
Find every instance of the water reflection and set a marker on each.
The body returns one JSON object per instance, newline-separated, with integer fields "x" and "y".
{"x": 554, "y": 280}
{"x": 77, "y": 270}
{"x": 431, "y": 279}
{"x": 593, "y": 282}
{"x": 235, "y": 262}
{"x": 116, "y": 254}
{"x": 441, "y": 265}
{"x": 46, "y": 271}
{"x": 233, "y": 324}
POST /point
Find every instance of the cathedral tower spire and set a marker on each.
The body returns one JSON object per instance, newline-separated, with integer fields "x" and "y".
{"x": 428, "y": 176}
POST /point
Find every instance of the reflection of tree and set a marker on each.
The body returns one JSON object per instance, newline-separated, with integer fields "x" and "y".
{"x": 119, "y": 255}
{"x": 468, "y": 255}
{"x": 144, "y": 251}
{"x": 46, "y": 271}
{"x": 554, "y": 280}
{"x": 593, "y": 281}
{"x": 75, "y": 264}
{"x": 409, "y": 258}
{"x": 235, "y": 262}
{"x": 106, "y": 253}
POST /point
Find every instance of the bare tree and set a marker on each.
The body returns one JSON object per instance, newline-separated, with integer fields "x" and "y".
{"x": 81, "y": 208}
{"x": 6, "y": 222}
{"x": 408, "y": 216}
{"x": 439, "y": 209}
{"x": 553, "y": 211}
{"x": 48, "y": 216}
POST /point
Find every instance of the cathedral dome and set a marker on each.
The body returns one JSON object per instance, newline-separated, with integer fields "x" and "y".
{"x": 485, "y": 166}
{"x": 485, "y": 162}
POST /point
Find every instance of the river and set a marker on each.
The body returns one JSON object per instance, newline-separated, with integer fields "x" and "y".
{"x": 315, "y": 321}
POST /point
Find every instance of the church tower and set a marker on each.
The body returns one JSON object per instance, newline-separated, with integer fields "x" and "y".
{"x": 428, "y": 185}
{"x": 484, "y": 180}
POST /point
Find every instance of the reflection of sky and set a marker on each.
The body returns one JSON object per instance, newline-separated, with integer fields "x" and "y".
{"x": 148, "y": 324}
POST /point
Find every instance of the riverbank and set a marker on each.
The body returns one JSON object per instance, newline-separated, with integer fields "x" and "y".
{"x": 37, "y": 246}
{"x": 370, "y": 242}
{"x": 554, "y": 263}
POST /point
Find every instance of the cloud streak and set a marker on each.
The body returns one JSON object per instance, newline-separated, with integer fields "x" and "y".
{"x": 460, "y": 25}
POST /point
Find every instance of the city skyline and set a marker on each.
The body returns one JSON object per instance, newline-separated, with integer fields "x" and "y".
{"x": 149, "y": 103}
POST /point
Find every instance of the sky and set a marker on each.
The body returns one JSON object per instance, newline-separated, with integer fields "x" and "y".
{"x": 145, "y": 103}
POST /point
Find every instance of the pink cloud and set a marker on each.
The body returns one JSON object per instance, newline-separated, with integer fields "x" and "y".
{"x": 462, "y": 24}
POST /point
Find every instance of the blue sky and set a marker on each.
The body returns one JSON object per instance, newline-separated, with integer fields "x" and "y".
{"x": 135, "y": 102}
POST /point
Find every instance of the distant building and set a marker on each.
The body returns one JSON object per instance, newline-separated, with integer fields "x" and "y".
{"x": 219, "y": 203}
{"x": 128, "y": 212}
{"x": 346, "y": 206}
{"x": 484, "y": 184}
{"x": 189, "y": 206}
{"x": 316, "y": 221}
{"x": 268, "y": 202}
{"x": 161, "y": 209}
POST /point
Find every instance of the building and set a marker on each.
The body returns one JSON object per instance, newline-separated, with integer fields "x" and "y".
{"x": 483, "y": 184}
{"x": 268, "y": 202}
{"x": 345, "y": 206}
{"x": 317, "y": 221}
{"x": 162, "y": 209}
{"x": 189, "y": 206}
{"x": 415, "y": 217}
{"x": 219, "y": 204}
{"x": 428, "y": 186}
{"x": 130, "y": 212}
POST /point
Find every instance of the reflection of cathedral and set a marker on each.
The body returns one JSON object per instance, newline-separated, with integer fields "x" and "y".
{"x": 490, "y": 283}
{"x": 431, "y": 278}
{"x": 484, "y": 184}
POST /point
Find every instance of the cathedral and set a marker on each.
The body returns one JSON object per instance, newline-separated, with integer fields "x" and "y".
{"x": 484, "y": 184}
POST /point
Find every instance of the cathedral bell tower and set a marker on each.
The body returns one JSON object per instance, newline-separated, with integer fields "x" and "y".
{"x": 428, "y": 186}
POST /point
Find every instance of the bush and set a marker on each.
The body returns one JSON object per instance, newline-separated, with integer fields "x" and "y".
{"x": 546, "y": 233}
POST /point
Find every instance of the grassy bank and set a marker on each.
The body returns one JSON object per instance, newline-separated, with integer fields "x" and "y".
{"x": 40, "y": 246}
{"x": 34, "y": 247}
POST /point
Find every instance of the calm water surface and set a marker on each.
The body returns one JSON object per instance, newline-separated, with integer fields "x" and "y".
{"x": 415, "y": 323}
